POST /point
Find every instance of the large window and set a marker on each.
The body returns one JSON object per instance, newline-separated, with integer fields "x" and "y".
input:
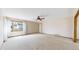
{"x": 17, "y": 26}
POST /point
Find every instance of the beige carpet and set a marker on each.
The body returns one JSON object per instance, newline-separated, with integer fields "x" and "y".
{"x": 39, "y": 42}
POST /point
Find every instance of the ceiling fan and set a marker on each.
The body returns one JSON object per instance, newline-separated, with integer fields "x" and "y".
{"x": 40, "y": 18}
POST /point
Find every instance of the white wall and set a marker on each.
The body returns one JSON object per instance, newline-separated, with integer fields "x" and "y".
{"x": 1, "y": 31}
{"x": 1, "y": 28}
{"x": 60, "y": 24}
{"x": 32, "y": 27}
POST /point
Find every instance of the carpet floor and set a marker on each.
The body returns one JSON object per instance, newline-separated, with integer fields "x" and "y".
{"x": 39, "y": 42}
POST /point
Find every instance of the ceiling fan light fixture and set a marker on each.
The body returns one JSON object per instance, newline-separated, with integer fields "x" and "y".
{"x": 40, "y": 18}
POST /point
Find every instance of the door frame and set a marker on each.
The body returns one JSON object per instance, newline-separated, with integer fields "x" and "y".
{"x": 75, "y": 25}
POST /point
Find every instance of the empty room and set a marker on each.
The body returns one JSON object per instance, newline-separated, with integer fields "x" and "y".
{"x": 39, "y": 29}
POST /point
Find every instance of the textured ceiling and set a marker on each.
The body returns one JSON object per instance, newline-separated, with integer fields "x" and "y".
{"x": 34, "y": 12}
